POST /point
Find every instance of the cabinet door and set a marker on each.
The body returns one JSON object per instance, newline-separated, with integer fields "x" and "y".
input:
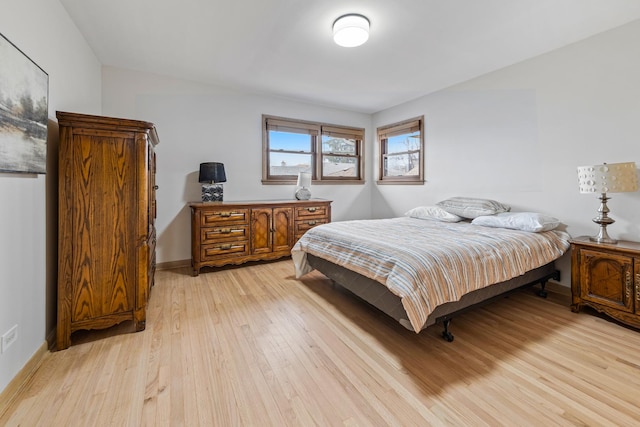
{"x": 261, "y": 236}
{"x": 282, "y": 229}
{"x": 607, "y": 279}
{"x": 103, "y": 189}
{"x": 271, "y": 230}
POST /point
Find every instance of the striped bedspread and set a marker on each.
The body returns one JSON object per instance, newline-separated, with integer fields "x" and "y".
{"x": 427, "y": 263}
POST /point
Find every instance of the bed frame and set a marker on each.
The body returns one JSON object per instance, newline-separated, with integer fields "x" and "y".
{"x": 382, "y": 298}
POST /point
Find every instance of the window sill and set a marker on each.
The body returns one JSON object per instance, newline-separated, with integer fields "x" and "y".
{"x": 399, "y": 182}
{"x": 323, "y": 182}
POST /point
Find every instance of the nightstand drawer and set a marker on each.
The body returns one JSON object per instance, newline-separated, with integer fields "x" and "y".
{"x": 222, "y": 250}
{"x": 217, "y": 217}
{"x": 210, "y": 235}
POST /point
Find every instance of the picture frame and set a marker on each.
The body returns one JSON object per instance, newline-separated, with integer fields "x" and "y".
{"x": 24, "y": 112}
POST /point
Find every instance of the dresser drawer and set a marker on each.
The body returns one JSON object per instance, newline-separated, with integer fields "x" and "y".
{"x": 210, "y": 235}
{"x": 311, "y": 212}
{"x": 303, "y": 225}
{"x": 218, "y": 217}
{"x": 223, "y": 250}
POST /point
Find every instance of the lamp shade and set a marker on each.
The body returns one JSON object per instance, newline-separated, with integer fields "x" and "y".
{"x": 303, "y": 184}
{"x": 608, "y": 178}
{"x": 212, "y": 172}
{"x": 304, "y": 179}
{"x": 351, "y": 30}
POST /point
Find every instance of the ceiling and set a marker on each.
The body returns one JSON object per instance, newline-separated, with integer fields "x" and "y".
{"x": 285, "y": 48}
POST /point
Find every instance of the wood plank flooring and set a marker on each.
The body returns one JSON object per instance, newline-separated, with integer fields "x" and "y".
{"x": 253, "y": 346}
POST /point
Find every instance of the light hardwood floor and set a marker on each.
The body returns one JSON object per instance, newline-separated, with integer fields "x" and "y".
{"x": 252, "y": 346}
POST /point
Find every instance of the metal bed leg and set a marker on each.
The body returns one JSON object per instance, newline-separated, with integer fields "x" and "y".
{"x": 445, "y": 333}
{"x": 446, "y": 320}
{"x": 555, "y": 276}
{"x": 542, "y": 292}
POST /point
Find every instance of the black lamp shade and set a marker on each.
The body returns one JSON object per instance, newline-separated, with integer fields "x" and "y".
{"x": 212, "y": 172}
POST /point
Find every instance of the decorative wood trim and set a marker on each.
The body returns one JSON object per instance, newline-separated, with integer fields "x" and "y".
{"x": 13, "y": 389}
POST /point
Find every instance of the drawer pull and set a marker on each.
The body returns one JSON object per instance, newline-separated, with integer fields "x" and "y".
{"x": 311, "y": 209}
{"x": 225, "y": 214}
{"x": 225, "y": 231}
{"x": 311, "y": 222}
{"x": 225, "y": 247}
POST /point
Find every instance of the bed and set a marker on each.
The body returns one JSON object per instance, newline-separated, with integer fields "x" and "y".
{"x": 423, "y": 271}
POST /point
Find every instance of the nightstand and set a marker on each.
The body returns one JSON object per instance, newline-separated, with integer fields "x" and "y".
{"x": 606, "y": 277}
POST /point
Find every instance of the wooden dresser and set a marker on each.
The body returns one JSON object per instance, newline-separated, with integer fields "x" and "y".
{"x": 236, "y": 232}
{"x": 607, "y": 278}
{"x": 106, "y": 231}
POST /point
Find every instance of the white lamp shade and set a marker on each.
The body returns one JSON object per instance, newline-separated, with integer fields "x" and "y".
{"x": 608, "y": 178}
{"x": 304, "y": 179}
{"x": 351, "y": 30}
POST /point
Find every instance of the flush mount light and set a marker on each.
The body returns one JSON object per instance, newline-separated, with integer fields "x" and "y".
{"x": 351, "y": 30}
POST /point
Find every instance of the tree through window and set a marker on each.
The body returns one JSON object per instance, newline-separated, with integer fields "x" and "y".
{"x": 402, "y": 152}
{"x": 330, "y": 153}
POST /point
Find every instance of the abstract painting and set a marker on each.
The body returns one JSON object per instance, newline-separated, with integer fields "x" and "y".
{"x": 24, "y": 112}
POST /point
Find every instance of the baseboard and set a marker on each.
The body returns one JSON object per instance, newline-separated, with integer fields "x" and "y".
{"x": 558, "y": 288}
{"x": 51, "y": 339}
{"x": 173, "y": 264}
{"x": 13, "y": 389}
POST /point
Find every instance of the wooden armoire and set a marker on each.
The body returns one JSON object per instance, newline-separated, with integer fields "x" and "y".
{"x": 106, "y": 224}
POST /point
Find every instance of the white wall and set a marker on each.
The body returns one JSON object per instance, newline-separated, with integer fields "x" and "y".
{"x": 28, "y": 203}
{"x": 201, "y": 123}
{"x": 518, "y": 134}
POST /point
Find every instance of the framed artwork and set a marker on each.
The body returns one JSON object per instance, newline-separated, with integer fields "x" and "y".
{"x": 24, "y": 112}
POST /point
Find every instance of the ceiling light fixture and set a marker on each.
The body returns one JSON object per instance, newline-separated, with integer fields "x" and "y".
{"x": 351, "y": 30}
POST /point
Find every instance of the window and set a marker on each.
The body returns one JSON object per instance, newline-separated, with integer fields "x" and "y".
{"x": 402, "y": 152}
{"x": 332, "y": 154}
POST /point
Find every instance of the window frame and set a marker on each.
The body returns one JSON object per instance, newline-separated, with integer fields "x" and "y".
{"x": 399, "y": 128}
{"x": 316, "y": 130}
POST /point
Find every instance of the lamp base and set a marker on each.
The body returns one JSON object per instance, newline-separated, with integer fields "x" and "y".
{"x": 212, "y": 192}
{"x": 603, "y": 220}
{"x": 603, "y": 236}
{"x": 603, "y": 239}
{"x": 303, "y": 194}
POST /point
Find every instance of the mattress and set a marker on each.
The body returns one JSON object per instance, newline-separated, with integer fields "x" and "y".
{"x": 427, "y": 264}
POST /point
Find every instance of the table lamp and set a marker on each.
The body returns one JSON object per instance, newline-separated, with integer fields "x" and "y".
{"x": 211, "y": 176}
{"x": 603, "y": 179}
{"x": 303, "y": 184}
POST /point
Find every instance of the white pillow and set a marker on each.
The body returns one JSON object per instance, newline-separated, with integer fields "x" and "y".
{"x": 432, "y": 212}
{"x": 471, "y": 207}
{"x": 525, "y": 221}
